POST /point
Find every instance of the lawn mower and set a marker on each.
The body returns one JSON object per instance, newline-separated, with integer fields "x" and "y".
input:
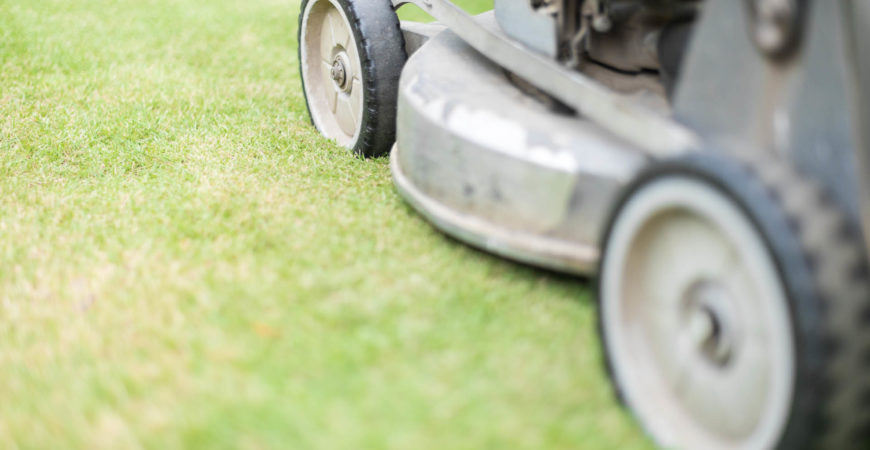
{"x": 706, "y": 162}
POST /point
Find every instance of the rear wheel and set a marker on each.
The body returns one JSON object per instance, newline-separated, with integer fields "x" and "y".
{"x": 351, "y": 54}
{"x": 732, "y": 301}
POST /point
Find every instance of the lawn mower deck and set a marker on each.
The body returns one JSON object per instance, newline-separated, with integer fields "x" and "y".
{"x": 500, "y": 168}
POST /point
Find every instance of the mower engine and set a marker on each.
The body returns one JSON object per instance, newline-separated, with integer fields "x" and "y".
{"x": 625, "y": 35}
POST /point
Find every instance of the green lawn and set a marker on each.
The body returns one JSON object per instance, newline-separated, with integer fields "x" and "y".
{"x": 185, "y": 262}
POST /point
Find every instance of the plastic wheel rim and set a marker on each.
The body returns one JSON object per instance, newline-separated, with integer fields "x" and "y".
{"x": 327, "y": 42}
{"x": 683, "y": 263}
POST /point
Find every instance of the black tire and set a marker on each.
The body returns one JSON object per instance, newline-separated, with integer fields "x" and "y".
{"x": 381, "y": 49}
{"x": 821, "y": 264}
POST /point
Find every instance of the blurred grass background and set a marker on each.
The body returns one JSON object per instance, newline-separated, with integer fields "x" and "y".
{"x": 185, "y": 262}
{"x": 412, "y": 12}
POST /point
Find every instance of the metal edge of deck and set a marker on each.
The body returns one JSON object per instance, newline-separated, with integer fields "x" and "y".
{"x": 531, "y": 249}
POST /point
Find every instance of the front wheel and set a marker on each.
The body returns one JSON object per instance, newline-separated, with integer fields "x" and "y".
{"x": 351, "y": 53}
{"x": 733, "y": 301}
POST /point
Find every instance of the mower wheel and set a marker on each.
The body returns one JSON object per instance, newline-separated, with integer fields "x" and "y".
{"x": 734, "y": 303}
{"x": 351, "y": 54}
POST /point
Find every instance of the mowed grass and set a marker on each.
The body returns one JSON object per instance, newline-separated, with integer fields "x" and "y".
{"x": 185, "y": 262}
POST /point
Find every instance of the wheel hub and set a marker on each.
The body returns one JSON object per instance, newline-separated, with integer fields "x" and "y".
{"x": 710, "y": 323}
{"x": 340, "y": 72}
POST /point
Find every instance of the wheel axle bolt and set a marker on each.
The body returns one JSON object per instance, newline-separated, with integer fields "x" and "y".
{"x": 701, "y": 327}
{"x": 339, "y": 74}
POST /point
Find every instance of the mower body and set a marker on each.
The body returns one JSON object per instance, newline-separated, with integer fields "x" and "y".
{"x": 481, "y": 156}
{"x": 707, "y": 161}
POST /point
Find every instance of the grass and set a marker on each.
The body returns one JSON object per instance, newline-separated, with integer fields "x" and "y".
{"x": 187, "y": 263}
